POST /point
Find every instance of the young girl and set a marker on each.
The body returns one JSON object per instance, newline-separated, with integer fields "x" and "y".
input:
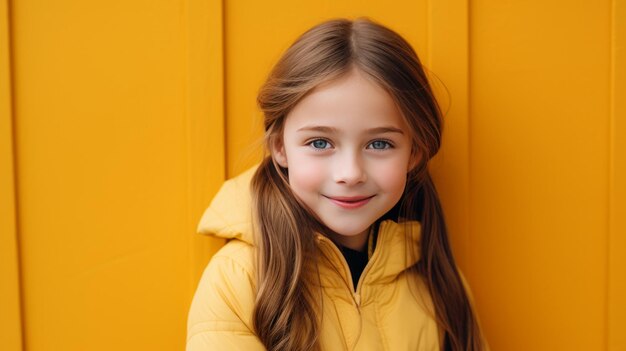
{"x": 339, "y": 236}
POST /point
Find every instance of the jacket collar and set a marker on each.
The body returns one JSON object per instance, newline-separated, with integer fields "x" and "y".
{"x": 397, "y": 249}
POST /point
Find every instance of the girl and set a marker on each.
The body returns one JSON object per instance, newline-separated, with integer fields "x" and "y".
{"x": 340, "y": 240}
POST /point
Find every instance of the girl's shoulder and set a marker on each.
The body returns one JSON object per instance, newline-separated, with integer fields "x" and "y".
{"x": 235, "y": 252}
{"x": 224, "y": 298}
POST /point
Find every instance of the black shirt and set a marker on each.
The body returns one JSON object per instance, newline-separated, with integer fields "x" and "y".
{"x": 357, "y": 261}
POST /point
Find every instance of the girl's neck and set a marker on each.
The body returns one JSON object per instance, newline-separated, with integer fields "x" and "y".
{"x": 356, "y": 242}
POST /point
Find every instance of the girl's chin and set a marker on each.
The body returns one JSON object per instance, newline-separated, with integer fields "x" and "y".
{"x": 350, "y": 232}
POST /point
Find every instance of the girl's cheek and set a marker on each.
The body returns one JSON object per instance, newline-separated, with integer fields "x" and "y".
{"x": 305, "y": 173}
{"x": 392, "y": 175}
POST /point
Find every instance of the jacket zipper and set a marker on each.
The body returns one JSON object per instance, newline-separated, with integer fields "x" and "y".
{"x": 346, "y": 267}
{"x": 355, "y": 293}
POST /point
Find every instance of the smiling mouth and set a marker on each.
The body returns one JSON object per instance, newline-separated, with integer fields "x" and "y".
{"x": 350, "y": 202}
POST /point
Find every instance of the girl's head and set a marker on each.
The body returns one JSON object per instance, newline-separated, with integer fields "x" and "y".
{"x": 334, "y": 87}
{"x": 351, "y": 123}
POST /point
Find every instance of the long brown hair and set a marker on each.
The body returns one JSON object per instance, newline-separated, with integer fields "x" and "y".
{"x": 287, "y": 302}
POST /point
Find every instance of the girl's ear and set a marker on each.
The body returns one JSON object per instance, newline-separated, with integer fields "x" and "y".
{"x": 278, "y": 152}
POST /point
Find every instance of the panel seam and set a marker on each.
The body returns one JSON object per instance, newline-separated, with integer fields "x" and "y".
{"x": 611, "y": 178}
{"x": 224, "y": 97}
{"x": 14, "y": 152}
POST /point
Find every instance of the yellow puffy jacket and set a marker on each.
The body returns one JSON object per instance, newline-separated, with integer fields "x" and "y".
{"x": 382, "y": 314}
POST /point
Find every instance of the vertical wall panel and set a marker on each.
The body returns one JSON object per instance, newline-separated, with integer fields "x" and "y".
{"x": 205, "y": 115}
{"x": 539, "y": 104}
{"x": 10, "y": 318}
{"x": 617, "y": 235}
{"x": 448, "y": 64}
{"x": 102, "y": 142}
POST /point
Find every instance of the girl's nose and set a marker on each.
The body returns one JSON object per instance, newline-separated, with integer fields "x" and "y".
{"x": 349, "y": 170}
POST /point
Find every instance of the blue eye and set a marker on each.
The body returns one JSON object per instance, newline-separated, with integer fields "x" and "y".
{"x": 380, "y": 145}
{"x": 319, "y": 144}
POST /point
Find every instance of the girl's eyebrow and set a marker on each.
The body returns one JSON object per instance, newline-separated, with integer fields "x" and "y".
{"x": 381, "y": 130}
{"x": 331, "y": 130}
{"x": 321, "y": 129}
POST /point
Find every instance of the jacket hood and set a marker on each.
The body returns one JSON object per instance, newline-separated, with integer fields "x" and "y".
{"x": 229, "y": 215}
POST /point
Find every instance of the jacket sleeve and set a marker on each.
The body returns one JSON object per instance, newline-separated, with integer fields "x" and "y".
{"x": 221, "y": 310}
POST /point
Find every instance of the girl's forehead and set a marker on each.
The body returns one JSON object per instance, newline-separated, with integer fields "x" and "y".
{"x": 352, "y": 101}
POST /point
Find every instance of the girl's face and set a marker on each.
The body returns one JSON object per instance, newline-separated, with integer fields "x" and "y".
{"x": 348, "y": 152}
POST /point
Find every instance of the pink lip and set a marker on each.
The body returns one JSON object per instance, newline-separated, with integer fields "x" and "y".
{"x": 350, "y": 202}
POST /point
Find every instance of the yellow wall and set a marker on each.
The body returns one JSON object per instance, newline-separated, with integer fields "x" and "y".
{"x": 119, "y": 121}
